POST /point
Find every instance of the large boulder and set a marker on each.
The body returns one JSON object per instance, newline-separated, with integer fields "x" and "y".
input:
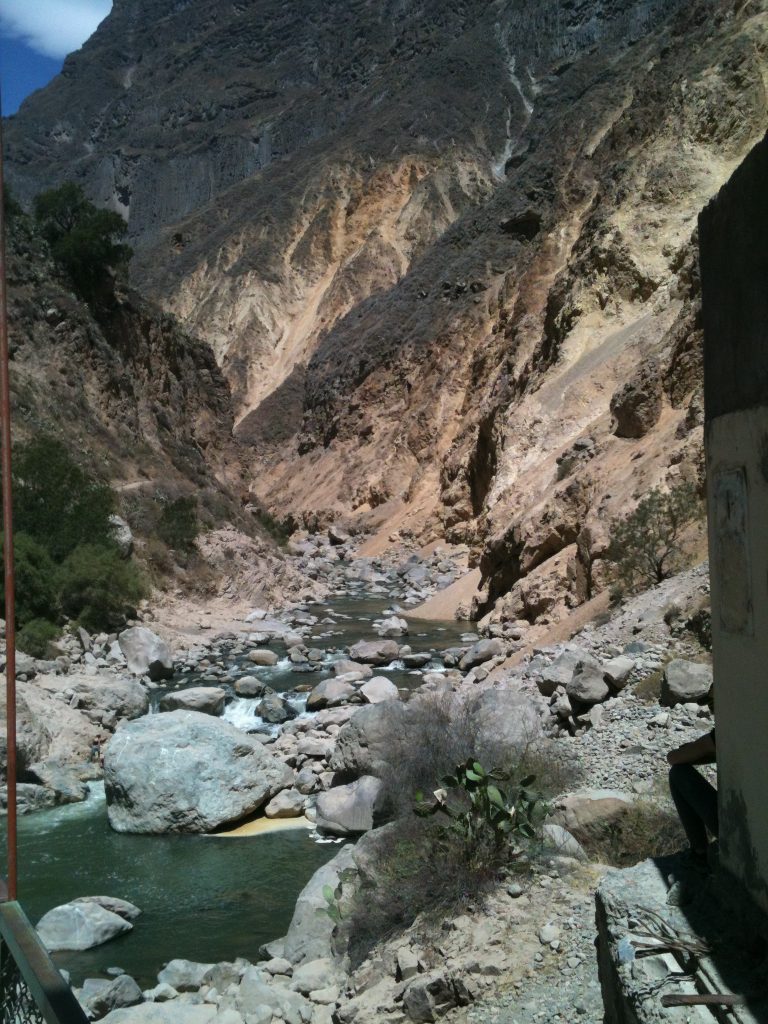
{"x": 121, "y": 535}
{"x": 99, "y": 997}
{"x": 503, "y": 721}
{"x": 393, "y": 626}
{"x": 588, "y": 811}
{"x": 379, "y": 689}
{"x": 432, "y": 995}
{"x": 173, "y": 1012}
{"x": 250, "y": 686}
{"x": 329, "y": 694}
{"x": 562, "y": 668}
{"x": 146, "y": 653}
{"x": 184, "y": 975}
{"x": 348, "y": 810}
{"x": 374, "y": 652}
{"x": 587, "y": 685}
{"x": 310, "y": 933}
{"x": 289, "y": 803}
{"x": 106, "y": 697}
{"x": 186, "y": 772}
{"x": 208, "y": 700}
{"x": 364, "y": 744}
{"x": 685, "y": 681}
{"x": 80, "y": 926}
{"x": 263, "y": 657}
{"x": 482, "y": 651}
{"x": 276, "y": 709}
{"x": 344, "y": 666}
{"x": 113, "y": 904}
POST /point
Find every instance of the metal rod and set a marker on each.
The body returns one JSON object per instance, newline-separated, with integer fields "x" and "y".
{"x": 10, "y": 590}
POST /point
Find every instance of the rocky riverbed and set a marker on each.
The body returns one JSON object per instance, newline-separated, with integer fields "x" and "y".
{"x": 289, "y": 717}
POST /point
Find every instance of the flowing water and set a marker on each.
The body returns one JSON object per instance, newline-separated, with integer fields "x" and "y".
{"x": 203, "y": 898}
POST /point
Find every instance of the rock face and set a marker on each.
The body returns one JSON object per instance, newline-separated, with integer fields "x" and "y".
{"x": 636, "y": 406}
{"x": 186, "y": 772}
{"x": 364, "y": 743}
{"x": 349, "y": 810}
{"x": 310, "y": 933}
{"x": 145, "y": 652}
{"x": 466, "y": 234}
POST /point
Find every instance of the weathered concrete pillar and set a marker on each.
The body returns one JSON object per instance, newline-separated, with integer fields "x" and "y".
{"x": 733, "y": 234}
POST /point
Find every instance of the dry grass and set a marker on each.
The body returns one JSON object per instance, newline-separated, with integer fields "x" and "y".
{"x": 647, "y": 829}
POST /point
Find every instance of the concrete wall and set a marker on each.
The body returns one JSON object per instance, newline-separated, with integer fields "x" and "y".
{"x": 733, "y": 232}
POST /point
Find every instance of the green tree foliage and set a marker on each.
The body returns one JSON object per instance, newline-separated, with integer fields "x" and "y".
{"x": 178, "y": 525}
{"x": 36, "y": 636}
{"x": 646, "y": 547}
{"x": 85, "y": 241}
{"x": 66, "y": 560}
{"x": 98, "y": 588}
{"x": 55, "y": 501}
{"x": 35, "y": 586}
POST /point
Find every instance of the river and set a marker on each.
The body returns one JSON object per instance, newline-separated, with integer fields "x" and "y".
{"x": 202, "y": 898}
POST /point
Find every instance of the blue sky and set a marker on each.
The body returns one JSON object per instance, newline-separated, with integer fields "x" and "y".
{"x": 36, "y": 36}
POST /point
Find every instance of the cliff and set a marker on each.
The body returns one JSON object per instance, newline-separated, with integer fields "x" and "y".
{"x": 443, "y": 253}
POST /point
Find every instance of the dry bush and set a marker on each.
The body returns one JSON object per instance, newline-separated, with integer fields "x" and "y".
{"x": 421, "y": 866}
{"x": 647, "y": 829}
{"x": 439, "y": 732}
{"x": 649, "y": 688}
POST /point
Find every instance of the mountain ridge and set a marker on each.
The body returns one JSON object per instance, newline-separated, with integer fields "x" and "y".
{"x": 471, "y": 231}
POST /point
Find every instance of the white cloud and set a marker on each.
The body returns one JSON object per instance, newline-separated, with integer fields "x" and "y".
{"x": 53, "y": 27}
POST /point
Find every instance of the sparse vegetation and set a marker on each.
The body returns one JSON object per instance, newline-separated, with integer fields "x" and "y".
{"x": 647, "y": 829}
{"x": 178, "y": 524}
{"x": 478, "y": 823}
{"x": 646, "y": 546}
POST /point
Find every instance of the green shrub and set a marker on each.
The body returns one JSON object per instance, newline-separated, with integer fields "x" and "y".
{"x": 646, "y": 545}
{"x": 36, "y": 636}
{"x": 55, "y": 501}
{"x": 85, "y": 241}
{"x": 480, "y": 811}
{"x": 98, "y": 588}
{"x": 35, "y": 593}
{"x": 178, "y": 525}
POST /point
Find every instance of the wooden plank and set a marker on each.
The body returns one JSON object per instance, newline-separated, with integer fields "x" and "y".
{"x": 703, "y": 999}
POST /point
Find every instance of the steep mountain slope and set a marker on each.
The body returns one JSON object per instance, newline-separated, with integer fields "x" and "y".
{"x": 443, "y": 252}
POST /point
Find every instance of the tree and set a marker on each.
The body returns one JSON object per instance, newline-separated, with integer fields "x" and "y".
{"x": 646, "y": 545}
{"x": 35, "y": 590}
{"x": 98, "y": 588}
{"x": 85, "y": 241}
{"x": 55, "y": 501}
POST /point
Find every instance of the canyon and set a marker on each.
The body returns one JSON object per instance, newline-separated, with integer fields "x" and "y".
{"x": 444, "y": 257}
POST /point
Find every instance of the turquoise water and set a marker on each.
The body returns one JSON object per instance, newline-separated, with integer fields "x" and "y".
{"x": 203, "y": 898}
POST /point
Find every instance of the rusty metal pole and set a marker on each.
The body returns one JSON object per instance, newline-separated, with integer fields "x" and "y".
{"x": 10, "y": 591}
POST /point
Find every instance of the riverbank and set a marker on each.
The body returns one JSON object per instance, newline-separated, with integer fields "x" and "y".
{"x": 616, "y": 735}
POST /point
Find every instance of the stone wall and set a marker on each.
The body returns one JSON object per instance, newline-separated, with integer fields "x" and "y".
{"x": 734, "y": 272}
